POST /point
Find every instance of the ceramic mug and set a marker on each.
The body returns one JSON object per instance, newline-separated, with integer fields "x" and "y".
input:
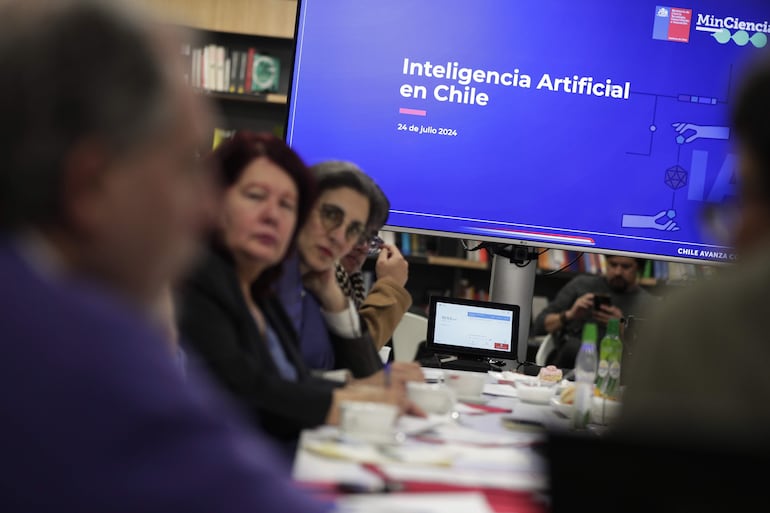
{"x": 431, "y": 397}
{"x": 468, "y": 385}
{"x": 368, "y": 421}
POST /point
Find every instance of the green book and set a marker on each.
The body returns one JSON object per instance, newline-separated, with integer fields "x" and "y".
{"x": 265, "y": 73}
{"x": 647, "y": 269}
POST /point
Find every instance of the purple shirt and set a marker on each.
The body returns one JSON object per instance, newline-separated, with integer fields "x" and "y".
{"x": 305, "y": 313}
{"x": 96, "y": 417}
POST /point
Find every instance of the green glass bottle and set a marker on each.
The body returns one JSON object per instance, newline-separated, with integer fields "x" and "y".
{"x": 610, "y": 353}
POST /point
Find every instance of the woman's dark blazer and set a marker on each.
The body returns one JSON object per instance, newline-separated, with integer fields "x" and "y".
{"x": 217, "y": 328}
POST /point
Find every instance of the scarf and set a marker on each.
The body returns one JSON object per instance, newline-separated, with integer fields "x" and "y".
{"x": 352, "y": 285}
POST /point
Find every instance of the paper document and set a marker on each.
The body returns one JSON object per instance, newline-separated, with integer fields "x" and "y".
{"x": 500, "y": 390}
{"x": 447, "y": 502}
{"x": 380, "y": 454}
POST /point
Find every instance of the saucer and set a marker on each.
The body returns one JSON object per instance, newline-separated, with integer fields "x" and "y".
{"x": 470, "y": 399}
{"x": 565, "y": 409}
{"x": 535, "y": 394}
{"x": 433, "y": 375}
{"x": 369, "y": 438}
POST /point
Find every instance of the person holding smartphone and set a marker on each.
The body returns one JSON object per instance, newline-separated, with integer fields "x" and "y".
{"x": 596, "y": 298}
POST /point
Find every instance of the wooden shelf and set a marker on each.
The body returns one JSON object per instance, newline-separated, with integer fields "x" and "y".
{"x": 271, "y": 98}
{"x": 265, "y": 18}
{"x": 457, "y": 262}
{"x": 445, "y": 261}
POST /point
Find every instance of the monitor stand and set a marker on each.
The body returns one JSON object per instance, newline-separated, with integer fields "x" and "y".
{"x": 513, "y": 282}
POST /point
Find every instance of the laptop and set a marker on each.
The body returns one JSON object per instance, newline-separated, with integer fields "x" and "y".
{"x": 472, "y": 335}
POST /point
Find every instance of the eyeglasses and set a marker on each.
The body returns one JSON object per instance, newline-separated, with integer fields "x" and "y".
{"x": 332, "y": 218}
{"x": 374, "y": 245}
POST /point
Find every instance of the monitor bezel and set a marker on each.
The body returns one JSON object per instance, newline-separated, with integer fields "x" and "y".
{"x": 431, "y": 345}
{"x": 505, "y": 241}
{"x": 290, "y": 106}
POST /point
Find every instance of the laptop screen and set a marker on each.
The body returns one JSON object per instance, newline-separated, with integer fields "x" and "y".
{"x": 475, "y": 328}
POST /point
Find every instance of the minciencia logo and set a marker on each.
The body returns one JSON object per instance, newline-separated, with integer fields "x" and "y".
{"x": 674, "y": 23}
{"x": 711, "y": 23}
{"x": 732, "y": 28}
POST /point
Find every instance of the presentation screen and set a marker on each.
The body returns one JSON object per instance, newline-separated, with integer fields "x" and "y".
{"x": 597, "y": 125}
{"x": 479, "y": 328}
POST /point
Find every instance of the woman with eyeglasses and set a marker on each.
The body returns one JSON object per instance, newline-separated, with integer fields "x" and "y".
{"x": 309, "y": 290}
{"x": 229, "y": 317}
{"x": 383, "y": 307}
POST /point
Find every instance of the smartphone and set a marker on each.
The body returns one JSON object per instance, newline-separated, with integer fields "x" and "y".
{"x": 601, "y": 299}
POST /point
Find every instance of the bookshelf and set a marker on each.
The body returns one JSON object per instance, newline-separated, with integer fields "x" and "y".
{"x": 246, "y": 76}
{"x": 458, "y": 262}
{"x": 221, "y": 34}
{"x": 275, "y": 98}
{"x": 653, "y": 273}
{"x": 441, "y": 266}
{"x": 448, "y": 261}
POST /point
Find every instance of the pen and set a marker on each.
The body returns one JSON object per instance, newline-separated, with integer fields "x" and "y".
{"x": 386, "y": 370}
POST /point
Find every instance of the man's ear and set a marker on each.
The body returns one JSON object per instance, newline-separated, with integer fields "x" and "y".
{"x": 84, "y": 171}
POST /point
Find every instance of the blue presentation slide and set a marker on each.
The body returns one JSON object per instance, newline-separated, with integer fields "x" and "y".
{"x": 600, "y": 125}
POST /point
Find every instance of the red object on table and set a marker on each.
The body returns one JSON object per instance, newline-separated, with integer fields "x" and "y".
{"x": 489, "y": 409}
{"x": 500, "y": 500}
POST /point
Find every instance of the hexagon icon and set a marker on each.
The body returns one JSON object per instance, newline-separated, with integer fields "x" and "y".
{"x": 676, "y": 177}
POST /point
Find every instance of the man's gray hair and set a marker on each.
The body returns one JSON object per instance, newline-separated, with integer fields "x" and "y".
{"x": 71, "y": 70}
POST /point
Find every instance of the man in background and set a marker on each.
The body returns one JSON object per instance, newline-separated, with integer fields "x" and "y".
{"x": 595, "y": 298}
{"x": 101, "y": 206}
{"x": 702, "y": 376}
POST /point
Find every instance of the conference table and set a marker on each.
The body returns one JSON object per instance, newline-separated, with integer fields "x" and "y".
{"x": 484, "y": 456}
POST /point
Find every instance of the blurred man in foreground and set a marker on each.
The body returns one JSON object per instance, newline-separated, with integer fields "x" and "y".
{"x": 101, "y": 204}
{"x": 703, "y": 372}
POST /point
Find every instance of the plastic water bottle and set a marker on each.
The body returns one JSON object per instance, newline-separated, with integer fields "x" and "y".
{"x": 585, "y": 375}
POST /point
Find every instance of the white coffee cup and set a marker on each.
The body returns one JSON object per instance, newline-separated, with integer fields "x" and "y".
{"x": 467, "y": 385}
{"x": 368, "y": 421}
{"x": 431, "y": 397}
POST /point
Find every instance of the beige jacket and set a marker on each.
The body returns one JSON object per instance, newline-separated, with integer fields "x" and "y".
{"x": 383, "y": 308}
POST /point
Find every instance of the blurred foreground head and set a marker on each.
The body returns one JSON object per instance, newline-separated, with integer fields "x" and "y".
{"x": 98, "y": 141}
{"x": 751, "y": 122}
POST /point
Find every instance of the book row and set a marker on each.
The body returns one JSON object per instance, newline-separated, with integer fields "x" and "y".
{"x": 231, "y": 70}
